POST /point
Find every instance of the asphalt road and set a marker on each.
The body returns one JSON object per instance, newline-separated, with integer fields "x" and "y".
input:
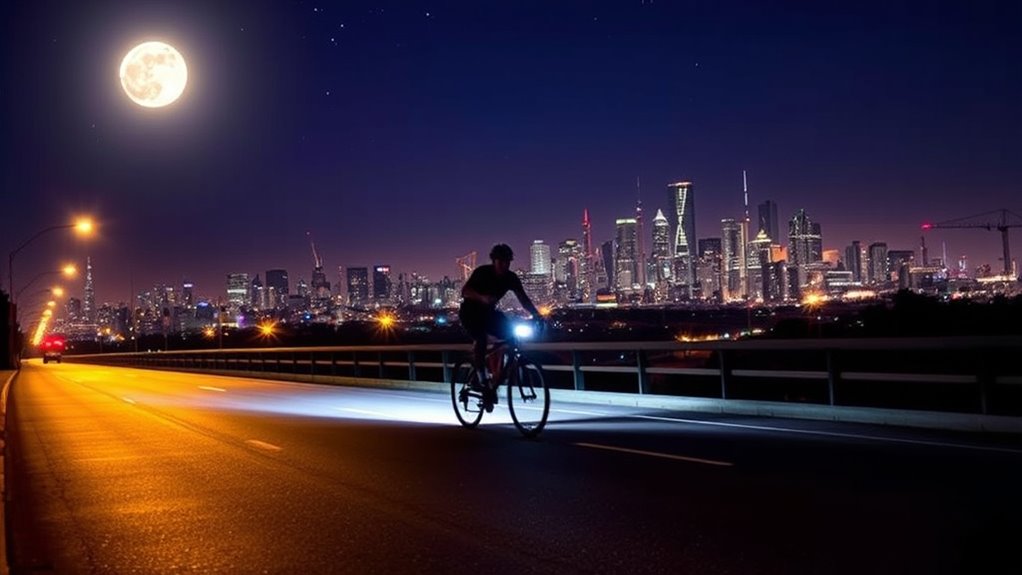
{"x": 131, "y": 471}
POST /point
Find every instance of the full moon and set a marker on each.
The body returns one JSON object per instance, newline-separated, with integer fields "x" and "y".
{"x": 153, "y": 74}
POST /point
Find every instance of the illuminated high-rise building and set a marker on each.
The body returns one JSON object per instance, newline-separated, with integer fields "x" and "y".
{"x": 188, "y": 294}
{"x": 277, "y": 288}
{"x": 681, "y": 205}
{"x": 662, "y": 260}
{"x": 586, "y": 267}
{"x": 358, "y": 286}
{"x": 709, "y": 266}
{"x": 382, "y": 284}
{"x": 640, "y": 253}
{"x": 89, "y": 303}
{"x": 878, "y": 263}
{"x": 805, "y": 242}
{"x": 258, "y": 293}
{"x": 539, "y": 258}
{"x": 566, "y": 265}
{"x": 237, "y": 290}
{"x": 730, "y": 254}
{"x": 625, "y": 256}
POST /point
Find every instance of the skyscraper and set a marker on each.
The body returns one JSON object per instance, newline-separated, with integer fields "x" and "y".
{"x": 805, "y": 241}
{"x": 662, "y": 260}
{"x": 358, "y": 286}
{"x": 853, "y": 260}
{"x": 730, "y": 254}
{"x": 566, "y": 264}
{"x": 381, "y": 284}
{"x": 878, "y": 263}
{"x": 257, "y": 293}
{"x": 187, "y": 293}
{"x": 625, "y": 264}
{"x": 539, "y": 258}
{"x": 89, "y": 305}
{"x": 237, "y": 290}
{"x": 640, "y": 253}
{"x": 768, "y": 220}
{"x": 606, "y": 257}
{"x": 586, "y": 264}
{"x": 681, "y": 205}
{"x": 277, "y": 288}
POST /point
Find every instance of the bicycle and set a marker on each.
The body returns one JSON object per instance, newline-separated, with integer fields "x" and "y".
{"x": 528, "y": 397}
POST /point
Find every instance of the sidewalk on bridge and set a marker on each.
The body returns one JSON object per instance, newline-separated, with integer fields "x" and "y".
{"x": 6, "y": 377}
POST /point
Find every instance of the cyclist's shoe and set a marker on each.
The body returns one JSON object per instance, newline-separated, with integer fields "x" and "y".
{"x": 480, "y": 384}
{"x": 489, "y": 398}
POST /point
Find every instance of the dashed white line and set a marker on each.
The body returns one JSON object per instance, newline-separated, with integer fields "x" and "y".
{"x": 263, "y": 445}
{"x": 828, "y": 433}
{"x": 657, "y": 454}
{"x": 211, "y": 388}
{"x": 128, "y": 400}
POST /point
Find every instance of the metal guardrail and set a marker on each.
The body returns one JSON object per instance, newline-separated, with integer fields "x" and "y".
{"x": 985, "y": 366}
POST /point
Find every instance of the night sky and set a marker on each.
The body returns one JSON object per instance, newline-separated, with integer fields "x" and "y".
{"x": 411, "y": 133}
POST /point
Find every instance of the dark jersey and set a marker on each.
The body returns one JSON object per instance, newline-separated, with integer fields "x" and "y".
{"x": 485, "y": 281}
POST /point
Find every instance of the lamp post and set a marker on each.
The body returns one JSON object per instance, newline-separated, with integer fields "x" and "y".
{"x": 69, "y": 271}
{"x": 82, "y": 226}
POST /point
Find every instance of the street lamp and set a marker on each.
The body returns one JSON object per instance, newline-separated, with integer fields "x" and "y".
{"x": 83, "y": 227}
{"x": 68, "y": 270}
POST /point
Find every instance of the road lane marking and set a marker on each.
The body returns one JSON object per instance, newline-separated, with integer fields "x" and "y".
{"x": 211, "y": 388}
{"x": 829, "y": 434}
{"x": 363, "y": 411}
{"x": 128, "y": 400}
{"x": 656, "y": 454}
{"x": 263, "y": 445}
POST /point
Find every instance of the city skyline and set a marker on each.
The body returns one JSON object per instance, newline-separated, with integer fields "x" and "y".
{"x": 394, "y": 132}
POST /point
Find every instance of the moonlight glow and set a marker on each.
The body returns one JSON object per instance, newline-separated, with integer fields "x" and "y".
{"x": 153, "y": 74}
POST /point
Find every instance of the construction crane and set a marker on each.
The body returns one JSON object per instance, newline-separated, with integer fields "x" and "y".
{"x": 318, "y": 262}
{"x": 466, "y": 264}
{"x": 1001, "y": 220}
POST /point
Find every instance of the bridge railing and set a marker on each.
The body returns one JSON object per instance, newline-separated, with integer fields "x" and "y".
{"x": 980, "y": 375}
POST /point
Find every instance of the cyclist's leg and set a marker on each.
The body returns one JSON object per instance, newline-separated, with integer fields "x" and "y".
{"x": 474, "y": 322}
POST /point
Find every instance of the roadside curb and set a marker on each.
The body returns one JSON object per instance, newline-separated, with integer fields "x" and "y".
{"x": 7, "y": 377}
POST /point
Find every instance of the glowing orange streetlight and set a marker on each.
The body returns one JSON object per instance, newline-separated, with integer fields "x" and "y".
{"x": 57, "y": 291}
{"x": 267, "y": 328}
{"x": 83, "y": 227}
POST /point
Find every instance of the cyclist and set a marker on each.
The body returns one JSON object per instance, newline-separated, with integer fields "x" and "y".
{"x": 483, "y": 290}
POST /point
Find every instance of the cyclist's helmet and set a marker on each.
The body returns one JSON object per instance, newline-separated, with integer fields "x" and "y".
{"x": 502, "y": 252}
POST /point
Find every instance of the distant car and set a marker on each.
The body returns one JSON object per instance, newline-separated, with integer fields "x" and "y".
{"x": 53, "y": 348}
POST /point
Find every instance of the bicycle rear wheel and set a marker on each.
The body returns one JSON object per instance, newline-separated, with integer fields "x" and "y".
{"x": 466, "y": 397}
{"x": 528, "y": 397}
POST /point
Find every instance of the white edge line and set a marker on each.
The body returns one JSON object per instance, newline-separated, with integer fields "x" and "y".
{"x": 211, "y": 388}
{"x": 128, "y": 400}
{"x": 263, "y": 445}
{"x": 830, "y": 434}
{"x": 363, "y": 411}
{"x": 657, "y": 454}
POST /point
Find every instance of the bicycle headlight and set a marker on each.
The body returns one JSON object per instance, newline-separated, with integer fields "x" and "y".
{"x": 523, "y": 331}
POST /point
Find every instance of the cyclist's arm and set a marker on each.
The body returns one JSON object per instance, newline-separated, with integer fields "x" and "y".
{"x": 468, "y": 292}
{"x": 523, "y": 298}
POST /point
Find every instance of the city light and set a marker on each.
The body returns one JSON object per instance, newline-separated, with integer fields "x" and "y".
{"x": 386, "y": 321}
{"x": 69, "y": 270}
{"x": 84, "y": 227}
{"x": 57, "y": 291}
{"x": 267, "y": 329}
{"x": 209, "y": 332}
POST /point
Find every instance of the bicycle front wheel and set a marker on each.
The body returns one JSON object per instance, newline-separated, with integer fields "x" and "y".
{"x": 466, "y": 395}
{"x": 528, "y": 397}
